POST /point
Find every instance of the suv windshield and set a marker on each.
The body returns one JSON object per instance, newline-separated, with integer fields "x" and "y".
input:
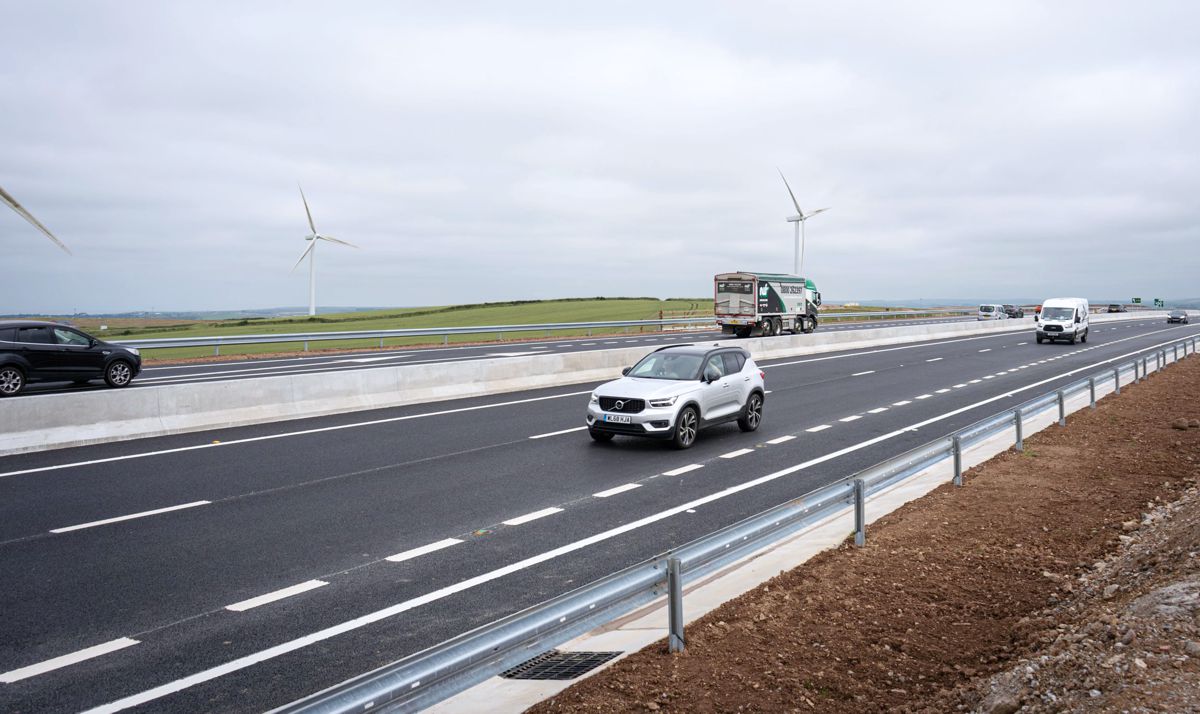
{"x": 668, "y": 365}
{"x": 1058, "y": 313}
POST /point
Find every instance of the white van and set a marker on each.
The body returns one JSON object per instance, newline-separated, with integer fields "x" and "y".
{"x": 992, "y": 312}
{"x": 1063, "y": 319}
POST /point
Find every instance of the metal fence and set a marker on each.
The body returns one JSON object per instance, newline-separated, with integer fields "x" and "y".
{"x": 435, "y": 674}
{"x": 499, "y": 330}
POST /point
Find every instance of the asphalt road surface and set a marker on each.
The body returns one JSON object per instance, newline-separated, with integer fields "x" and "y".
{"x": 240, "y": 569}
{"x": 274, "y": 366}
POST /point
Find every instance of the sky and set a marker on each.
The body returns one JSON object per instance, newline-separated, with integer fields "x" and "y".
{"x": 521, "y": 150}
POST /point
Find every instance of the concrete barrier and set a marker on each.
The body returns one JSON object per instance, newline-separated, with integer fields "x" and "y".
{"x": 62, "y": 420}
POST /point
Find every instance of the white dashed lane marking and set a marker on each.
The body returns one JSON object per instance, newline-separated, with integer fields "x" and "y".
{"x": 274, "y": 596}
{"x": 618, "y": 489}
{"x": 856, "y": 417}
{"x": 423, "y": 550}
{"x": 900, "y": 404}
{"x": 735, "y": 454}
{"x": 935, "y": 359}
{"x": 924, "y": 396}
{"x": 859, "y": 374}
{"x": 66, "y": 660}
{"x": 130, "y": 517}
{"x": 532, "y": 516}
{"x": 877, "y": 410}
{"x": 556, "y": 433}
{"x": 683, "y": 469}
{"x": 815, "y": 429}
{"x": 781, "y": 439}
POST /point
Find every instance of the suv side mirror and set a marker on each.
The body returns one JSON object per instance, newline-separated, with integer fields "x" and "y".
{"x": 626, "y": 371}
{"x": 711, "y": 375}
{"x": 92, "y": 342}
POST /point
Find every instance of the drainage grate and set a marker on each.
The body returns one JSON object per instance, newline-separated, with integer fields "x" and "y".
{"x": 559, "y": 665}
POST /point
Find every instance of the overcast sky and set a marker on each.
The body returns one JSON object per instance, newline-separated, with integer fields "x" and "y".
{"x": 496, "y": 151}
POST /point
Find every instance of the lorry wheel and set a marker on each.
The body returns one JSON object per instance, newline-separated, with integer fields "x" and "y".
{"x": 811, "y": 325}
{"x": 777, "y": 325}
{"x": 768, "y": 327}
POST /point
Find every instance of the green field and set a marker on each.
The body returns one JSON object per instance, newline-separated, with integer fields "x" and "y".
{"x": 508, "y": 313}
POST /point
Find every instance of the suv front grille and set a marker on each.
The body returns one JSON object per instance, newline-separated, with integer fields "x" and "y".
{"x": 623, "y": 406}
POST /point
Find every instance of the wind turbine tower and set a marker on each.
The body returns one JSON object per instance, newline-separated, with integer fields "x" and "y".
{"x": 311, "y": 254}
{"x": 799, "y": 219}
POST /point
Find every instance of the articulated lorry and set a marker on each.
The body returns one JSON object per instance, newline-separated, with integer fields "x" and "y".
{"x": 764, "y": 303}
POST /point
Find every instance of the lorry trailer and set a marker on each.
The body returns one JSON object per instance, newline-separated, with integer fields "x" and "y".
{"x": 748, "y": 303}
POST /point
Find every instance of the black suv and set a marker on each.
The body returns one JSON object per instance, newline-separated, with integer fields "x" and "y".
{"x": 1013, "y": 311}
{"x": 53, "y": 352}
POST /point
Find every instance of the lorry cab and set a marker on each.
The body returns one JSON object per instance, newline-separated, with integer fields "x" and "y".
{"x": 1063, "y": 319}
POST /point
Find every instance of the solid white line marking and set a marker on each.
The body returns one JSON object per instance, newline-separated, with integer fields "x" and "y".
{"x": 423, "y": 550}
{"x": 556, "y": 433}
{"x": 618, "y": 489}
{"x": 303, "y": 432}
{"x": 277, "y": 595}
{"x": 781, "y": 439}
{"x": 683, "y": 469}
{"x": 941, "y": 391}
{"x": 855, "y": 417}
{"x": 877, "y": 410}
{"x": 924, "y": 396}
{"x": 735, "y": 454}
{"x": 859, "y": 374}
{"x": 131, "y": 516}
{"x": 987, "y": 350}
{"x": 935, "y": 359}
{"x": 815, "y": 429}
{"x": 370, "y": 618}
{"x": 901, "y": 403}
{"x": 532, "y": 516}
{"x": 50, "y": 665}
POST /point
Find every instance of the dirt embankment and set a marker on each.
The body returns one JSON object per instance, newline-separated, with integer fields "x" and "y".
{"x": 1061, "y": 579}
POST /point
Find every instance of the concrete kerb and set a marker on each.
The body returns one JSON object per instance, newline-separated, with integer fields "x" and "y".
{"x": 65, "y": 420}
{"x": 648, "y": 625}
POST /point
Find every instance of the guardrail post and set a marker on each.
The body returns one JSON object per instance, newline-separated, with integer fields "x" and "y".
{"x": 1116, "y": 380}
{"x": 1136, "y": 377}
{"x": 1062, "y": 408}
{"x": 1092, "y": 391}
{"x": 1175, "y": 352}
{"x": 956, "y": 448}
{"x": 216, "y": 350}
{"x": 675, "y": 605}
{"x": 1020, "y": 443}
{"x": 306, "y": 345}
{"x": 380, "y": 343}
{"x": 860, "y": 512}
{"x": 445, "y": 339}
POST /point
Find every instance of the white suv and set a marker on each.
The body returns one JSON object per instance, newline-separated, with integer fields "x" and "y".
{"x": 675, "y": 391}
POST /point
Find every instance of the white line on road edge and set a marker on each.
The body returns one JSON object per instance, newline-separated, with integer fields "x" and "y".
{"x": 423, "y": 550}
{"x": 532, "y": 516}
{"x": 618, "y": 489}
{"x": 855, "y": 417}
{"x": 735, "y": 454}
{"x": 130, "y": 517}
{"x": 683, "y": 469}
{"x": 815, "y": 429}
{"x": 49, "y": 665}
{"x": 268, "y": 437}
{"x": 859, "y": 374}
{"x": 370, "y": 618}
{"x": 556, "y": 433}
{"x": 780, "y": 439}
{"x": 277, "y": 595}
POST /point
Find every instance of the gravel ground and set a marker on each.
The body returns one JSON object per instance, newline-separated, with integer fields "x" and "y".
{"x": 1064, "y": 578}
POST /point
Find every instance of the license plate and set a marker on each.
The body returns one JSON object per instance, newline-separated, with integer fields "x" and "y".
{"x": 617, "y": 419}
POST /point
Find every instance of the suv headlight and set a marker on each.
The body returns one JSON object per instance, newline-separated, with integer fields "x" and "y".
{"x": 665, "y": 402}
{"x": 134, "y": 350}
{"x": 595, "y": 399}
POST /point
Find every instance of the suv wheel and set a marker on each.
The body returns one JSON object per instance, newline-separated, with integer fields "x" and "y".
{"x": 753, "y": 416}
{"x": 118, "y": 374}
{"x": 12, "y": 381}
{"x": 686, "y": 427}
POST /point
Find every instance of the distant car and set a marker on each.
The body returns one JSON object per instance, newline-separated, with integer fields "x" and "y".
{"x": 1179, "y": 316}
{"x": 33, "y": 351}
{"x": 675, "y": 391}
{"x": 1013, "y": 311}
{"x": 1117, "y": 308}
{"x": 992, "y": 311}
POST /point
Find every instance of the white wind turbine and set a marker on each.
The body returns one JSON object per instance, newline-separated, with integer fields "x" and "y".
{"x": 311, "y": 254}
{"x": 799, "y": 219}
{"x": 12, "y": 203}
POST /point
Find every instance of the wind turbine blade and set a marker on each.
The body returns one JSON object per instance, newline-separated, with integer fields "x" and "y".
{"x": 331, "y": 239}
{"x": 789, "y": 188}
{"x": 819, "y": 210}
{"x": 303, "y": 256}
{"x": 12, "y": 203}
{"x": 306, "y": 211}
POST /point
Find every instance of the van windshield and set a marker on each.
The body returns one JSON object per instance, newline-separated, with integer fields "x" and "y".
{"x": 985, "y": 308}
{"x": 1058, "y": 313}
